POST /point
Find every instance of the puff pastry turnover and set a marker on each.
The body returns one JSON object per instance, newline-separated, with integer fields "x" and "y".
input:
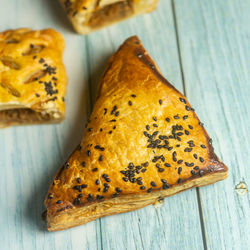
{"x": 143, "y": 142}
{"x": 89, "y": 15}
{"x": 32, "y": 77}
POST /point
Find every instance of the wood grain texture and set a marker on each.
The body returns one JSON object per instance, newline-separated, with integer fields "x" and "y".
{"x": 215, "y": 56}
{"x": 213, "y": 39}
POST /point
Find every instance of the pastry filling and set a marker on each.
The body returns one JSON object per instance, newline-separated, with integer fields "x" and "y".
{"x": 111, "y": 13}
{"x": 25, "y": 116}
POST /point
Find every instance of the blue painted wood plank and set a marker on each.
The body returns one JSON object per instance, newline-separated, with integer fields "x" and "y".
{"x": 214, "y": 44}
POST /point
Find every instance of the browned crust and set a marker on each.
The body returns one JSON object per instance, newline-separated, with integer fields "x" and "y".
{"x": 213, "y": 171}
{"x": 67, "y": 219}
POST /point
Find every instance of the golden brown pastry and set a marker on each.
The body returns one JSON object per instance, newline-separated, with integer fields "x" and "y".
{"x": 143, "y": 142}
{"x": 89, "y": 15}
{"x": 32, "y": 77}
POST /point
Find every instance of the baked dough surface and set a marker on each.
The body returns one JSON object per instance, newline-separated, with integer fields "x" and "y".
{"x": 143, "y": 141}
{"x": 89, "y": 15}
{"x": 32, "y": 77}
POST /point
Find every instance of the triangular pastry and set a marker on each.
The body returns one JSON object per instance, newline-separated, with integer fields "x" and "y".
{"x": 32, "y": 77}
{"x": 89, "y": 15}
{"x": 142, "y": 142}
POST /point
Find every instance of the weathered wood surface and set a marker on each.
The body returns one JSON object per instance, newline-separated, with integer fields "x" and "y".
{"x": 202, "y": 48}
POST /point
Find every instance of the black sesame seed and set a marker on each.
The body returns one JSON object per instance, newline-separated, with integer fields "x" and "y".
{"x": 192, "y": 172}
{"x": 176, "y": 117}
{"x": 100, "y": 158}
{"x": 179, "y": 161}
{"x": 149, "y": 190}
{"x": 185, "y": 117}
{"x": 97, "y": 182}
{"x": 105, "y": 111}
{"x": 155, "y": 125}
{"x": 153, "y": 184}
{"x": 114, "y": 127}
{"x": 130, "y": 103}
{"x": 76, "y": 201}
{"x": 125, "y": 179}
{"x": 84, "y": 185}
{"x": 143, "y": 170}
{"x": 147, "y": 127}
{"x": 139, "y": 182}
{"x": 160, "y": 102}
{"x": 187, "y": 108}
{"x": 170, "y": 148}
{"x": 160, "y": 170}
{"x": 67, "y": 165}
{"x": 99, "y": 197}
{"x": 95, "y": 169}
{"x": 182, "y": 100}
{"x": 59, "y": 202}
{"x": 88, "y": 152}
{"x": 186, "y": 132}
{"x": 190, "y": 126}
{"x": 37, "y": 95}
{"x": 179, "y": 180}
{"x": 201, "y": 173}
{"x": 41, "y": 60}
{"x": 196, "y": 167}
{"x": 203, "y": 146}
{"x": 195, "y": 156}
{"x": 210, "y": 141}
{"x": 89, "y": 129}
{"x": 179, "y": 170}
{"x": 110, "y": 132}
{"x": 164, "y": 181}
{"x": 105, "y": 189}
{"x": 113, "y": 120}
{"x": 142, "y": 187}
{"x": 113, "y": 110}
{"x": 201, "y": 159}
{"x": 133, "y": 95}
{"x": 167, "y": 165}
{"x": 117, "y": 113}
{"x": 166, "y": 186}
{"x": 118, "y": 190}
{"x": 80, "y": 195}
{"x": 78, "y": 180}
{"x": 167, "y": 119}
{"x": 90, "y": 197}
{"x": 201, "y": 124}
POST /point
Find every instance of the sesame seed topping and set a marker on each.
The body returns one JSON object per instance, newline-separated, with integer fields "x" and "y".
{"x": 196, "y": 167}
{"x": 100, "y": 158}
{"x": 167, "y": 119}
{"x": 59, "y": 202}
{"x": 78, "y": 180}
{"x": 201, "y": 173}
{"x": 195, "y": 156}
{"x": 88, "y": 152}
{"x": 130, "y": 103}
{"x": 185, "y": 117}
{"x": 179, "y": 180}
{"x": 182, "y": 100}
{"x": 203, "y": 146}
{"x": 190, "y": 126}
{"x": 201, "y": 159}
{"x": 149, "y": 190}
{"x": 142, "y": 187}
{"x": 147, "y": 127}
{"x": 153, "y": 184}
{"x": 97, "y": 182}
{"x": 160, "y": 102}
{"x": 95, "y": 169}
{"x": 187, "y": 108}
{"x": 133, "y": 95}
{"x": 179, "y": 170}
{"x": 186, "y": 132}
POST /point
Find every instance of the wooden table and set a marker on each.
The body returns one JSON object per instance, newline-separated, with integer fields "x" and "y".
{"x": 202, "y": 47}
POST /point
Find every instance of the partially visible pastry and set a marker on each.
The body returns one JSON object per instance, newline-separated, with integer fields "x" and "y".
{"x": 143, "y": 142}
{"x": 32, "y": 77}
{"x": 89, "y": 15}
